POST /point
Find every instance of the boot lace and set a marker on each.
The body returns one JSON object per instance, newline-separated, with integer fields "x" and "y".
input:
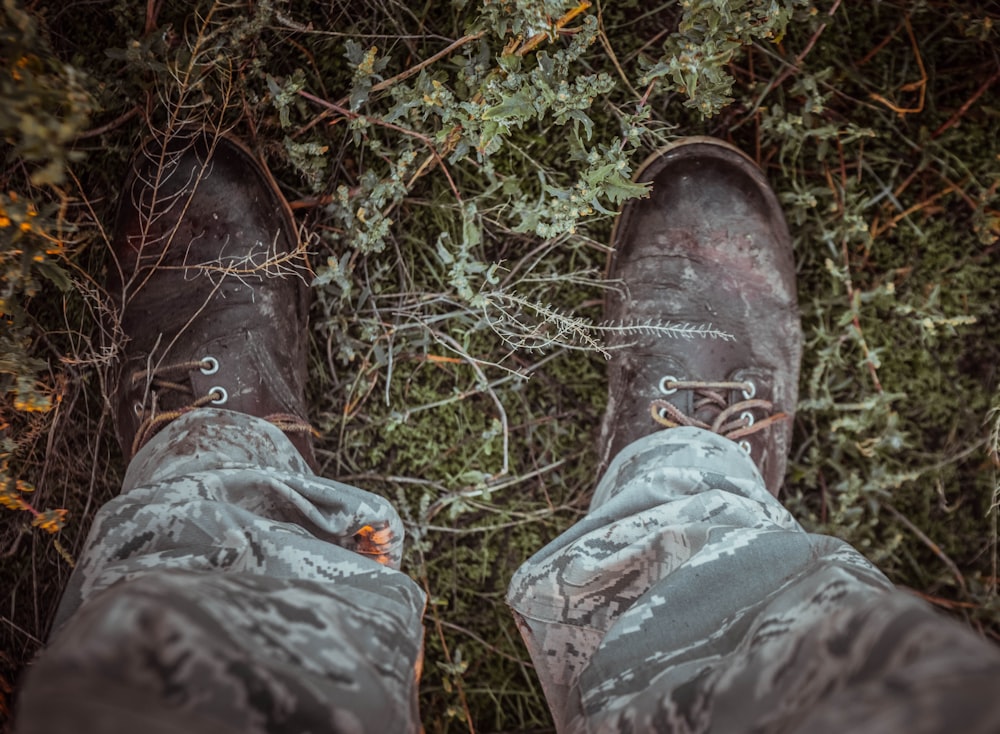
{"x": 163, "y": 379}
{"x": 733, "y": 419}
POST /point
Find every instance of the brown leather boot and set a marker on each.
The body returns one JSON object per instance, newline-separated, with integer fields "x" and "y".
{"x": 211, "y": 291}
{"x": 708, "y": 247}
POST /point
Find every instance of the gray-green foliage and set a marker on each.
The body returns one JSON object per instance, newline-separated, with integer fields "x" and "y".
{"x": 895, "y": 298}
{"x": 710, "y": 35}
{"x": 457, "y": 166}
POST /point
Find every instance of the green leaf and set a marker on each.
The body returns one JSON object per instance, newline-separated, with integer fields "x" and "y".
{"x": 518, "y": 107}
{"x": 618, "y": 188}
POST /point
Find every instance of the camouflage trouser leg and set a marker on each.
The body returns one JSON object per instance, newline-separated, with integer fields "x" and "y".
{"x": 228, "y": 589}
{"x": 689, "y": 600}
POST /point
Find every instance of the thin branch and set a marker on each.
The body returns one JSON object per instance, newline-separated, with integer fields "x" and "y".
{"x": 934, "y": 547}
{"x": 403, "y": 75}
{"x": 537, "y": 39}
{"x": 792, "y": 68}
{"x": 968, "y": 103}
{"x": 382, "y": 123}
{"x": 107, "y": 127}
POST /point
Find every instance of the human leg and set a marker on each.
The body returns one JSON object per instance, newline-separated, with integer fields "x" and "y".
{"x": 688, "y": 599}
{"x": 228, "y": 588}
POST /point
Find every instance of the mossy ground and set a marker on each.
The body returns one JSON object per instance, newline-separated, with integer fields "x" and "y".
{"x": 469, "y": 393}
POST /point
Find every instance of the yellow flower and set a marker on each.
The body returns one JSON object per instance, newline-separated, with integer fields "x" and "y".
{"x": 11, "y": 500}
{"x": 51, "y": 521}
{"x": 4, "y": 221}
{"x": 32, "y": 404}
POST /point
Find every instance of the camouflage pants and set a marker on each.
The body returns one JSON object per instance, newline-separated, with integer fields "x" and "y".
{"x": 689, "y": 600}
{"x": 229, "y": 590}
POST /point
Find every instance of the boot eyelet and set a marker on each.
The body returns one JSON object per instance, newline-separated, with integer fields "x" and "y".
{"x": 137, "y": 409}
{"x": 745, "y": 445}
{"x": 210, "y": 365}
{"x": 747, "y": 416}
{"x": 663, "y": 384}
{"x": 662, "y": 412}
{"x": 221, "y": 392}
{"x": 749, "y": 394}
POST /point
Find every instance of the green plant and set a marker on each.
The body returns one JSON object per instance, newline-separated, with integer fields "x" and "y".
{"x": 458, "y": 167}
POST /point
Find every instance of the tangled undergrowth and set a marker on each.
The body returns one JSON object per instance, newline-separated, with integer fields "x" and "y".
{"x": 458, "y": 167}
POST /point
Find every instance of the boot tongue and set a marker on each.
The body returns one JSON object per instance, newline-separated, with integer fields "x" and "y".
{"x": 710, "y": 409}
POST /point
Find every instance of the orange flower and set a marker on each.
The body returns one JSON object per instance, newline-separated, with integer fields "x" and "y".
{"x": 372, "y": 542}
{"x": 11, "y": 501}
{"x": 51, "y": 521}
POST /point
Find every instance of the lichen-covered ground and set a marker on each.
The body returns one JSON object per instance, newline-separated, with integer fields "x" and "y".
{"x": 457, "y": 167}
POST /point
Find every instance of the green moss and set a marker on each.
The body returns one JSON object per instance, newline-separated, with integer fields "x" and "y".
{"x": 444, "y": 296}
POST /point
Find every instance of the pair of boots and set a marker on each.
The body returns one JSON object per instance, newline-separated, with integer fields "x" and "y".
{"x": 214, "y": 304}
